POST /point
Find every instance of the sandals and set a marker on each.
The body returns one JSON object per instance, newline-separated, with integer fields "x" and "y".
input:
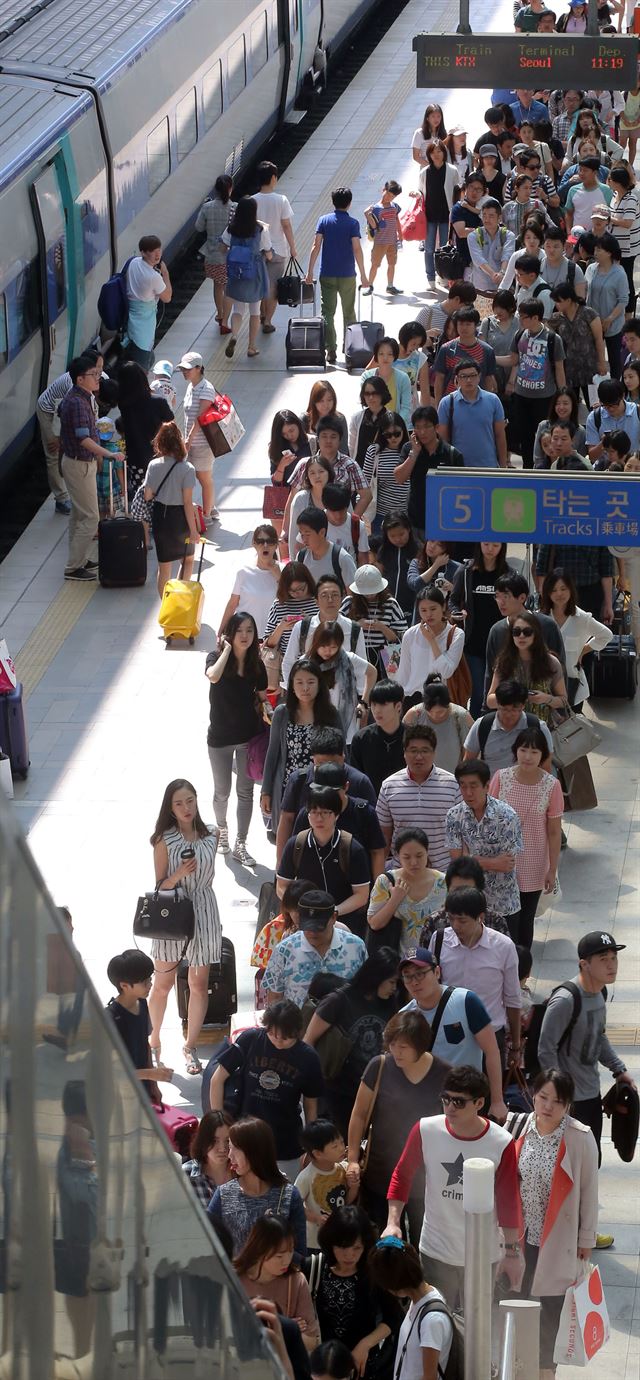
{"x": 251, "y": 354}
{"x": 192, "y": 1062}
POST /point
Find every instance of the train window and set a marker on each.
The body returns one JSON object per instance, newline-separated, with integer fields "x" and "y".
{"x": 259, "y": 49}
{"x": 212, "y": 94}
{"x": 236, "y": 69}
{"x": 158, "y": 156}
{"x": 4, "y": 344}
{"x": 28, "y": 315}
{"x": 186, "y": 124}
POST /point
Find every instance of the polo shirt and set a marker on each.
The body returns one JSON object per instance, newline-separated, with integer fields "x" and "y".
{"x": 337, "y": 259}
{"x": 489, "y": 968}
{"x": 77, "y": 421}
{"x": 497, "y": 752}
{"x": 404, "y": 803}
{"x": 582, "y": 201}
{"x": 358, "y": 818}
{"x": 464, "y": 1015}
{"x": 320, "y": 865}
{"x": 294, "y": 962}
{"x": 498, "y": 831}
{"x": 295, "y": 791}
{"x": 629, "y": 421}
{"x": 534, "y": 112}
{"x": 471, "y": 424}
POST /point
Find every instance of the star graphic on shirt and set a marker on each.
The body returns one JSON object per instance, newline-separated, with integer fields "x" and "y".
{"x": 453, "y": 1170}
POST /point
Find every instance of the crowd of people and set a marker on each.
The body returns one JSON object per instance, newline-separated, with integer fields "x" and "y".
{"x": 396, "y": 697}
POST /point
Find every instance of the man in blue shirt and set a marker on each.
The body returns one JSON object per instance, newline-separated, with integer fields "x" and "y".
{"x": 338, "y": 241}
{"x": 525, "y": 108}
{"x": 475, "y": 418}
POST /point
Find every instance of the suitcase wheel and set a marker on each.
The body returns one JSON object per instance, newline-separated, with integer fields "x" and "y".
{"x": 167, "y": 642}
{"x": 191, "y": 641}
{"x": 23, "y": 773}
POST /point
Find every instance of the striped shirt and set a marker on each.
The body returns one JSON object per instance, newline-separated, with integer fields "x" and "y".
{"x": 390, "y": 494}
{"x": 388, "y": 612}
{"x": 629, "y": 238}
{"x": 286, "y": 608}
{"x": 48, "y": 401}
{"x": 404, "y": 803}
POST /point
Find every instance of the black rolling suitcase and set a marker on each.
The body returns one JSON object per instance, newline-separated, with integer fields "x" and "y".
{"x": 305, "y": 342}
{"x": 361, "y": 338}
{"x": 223, "y": 989}
{"x": 122, "y": 551}
{"x": 13, "y": 731}
{"x": 614, "y": 671}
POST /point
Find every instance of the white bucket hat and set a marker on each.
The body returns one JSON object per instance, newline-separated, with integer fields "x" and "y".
{"x": 368, "y": 581}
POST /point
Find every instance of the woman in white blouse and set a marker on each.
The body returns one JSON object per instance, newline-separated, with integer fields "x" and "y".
{"x": 581, "y": 632}
{"x": 432, "y": 644}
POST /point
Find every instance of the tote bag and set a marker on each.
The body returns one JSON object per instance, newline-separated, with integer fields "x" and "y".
{"x": 584, "y": 1322}
{"x": 414, "y": 220}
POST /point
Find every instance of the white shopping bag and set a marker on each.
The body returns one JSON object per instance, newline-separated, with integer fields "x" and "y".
{"x": 550, "y": 898}
{"x": 8, "y": 677}
{"x": 6, "y": 779}
{"x": 584, "y": 1322}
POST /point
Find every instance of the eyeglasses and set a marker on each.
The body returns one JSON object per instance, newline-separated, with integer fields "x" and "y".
{"x": 369, "y": 392}
{"x": 91, "y": 374}
{"x": 415, "y": 974}
{"x": 448, "y": 1100}
{"x": 523, "y": 632}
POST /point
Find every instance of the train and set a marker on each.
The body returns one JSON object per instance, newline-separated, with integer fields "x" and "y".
{"x": 114, "y": 122}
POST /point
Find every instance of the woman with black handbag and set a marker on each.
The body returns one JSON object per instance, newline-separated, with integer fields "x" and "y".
{"x": 184, "y": 851}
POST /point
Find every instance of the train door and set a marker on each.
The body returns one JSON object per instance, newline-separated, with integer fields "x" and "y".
{"x": 53, "y": 214}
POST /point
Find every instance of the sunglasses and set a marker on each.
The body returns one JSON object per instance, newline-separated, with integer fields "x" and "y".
{"x": 523, "y": 632}
{"x": 266, "y": 543}
{"x": 448, "y": 1100}
{"x": 392, "y": 433}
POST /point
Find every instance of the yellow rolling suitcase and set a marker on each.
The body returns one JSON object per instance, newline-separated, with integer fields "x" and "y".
{"x": 181, "y": 608}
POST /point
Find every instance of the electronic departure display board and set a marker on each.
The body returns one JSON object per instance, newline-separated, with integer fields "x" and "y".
{"x": 527, "y": 60}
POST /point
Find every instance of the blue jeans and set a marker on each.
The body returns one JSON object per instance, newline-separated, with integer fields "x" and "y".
{"x": 476, "y": 666}
{"x": 436, "y": 232}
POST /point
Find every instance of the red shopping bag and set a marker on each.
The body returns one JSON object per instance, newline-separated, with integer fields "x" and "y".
{"x": 8, "y": 678}
{"x": 414, "y": 221}
{"x": 221, "y": 425}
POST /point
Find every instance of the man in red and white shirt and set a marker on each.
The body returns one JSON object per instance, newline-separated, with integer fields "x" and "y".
{"x": 440, "y": 1145}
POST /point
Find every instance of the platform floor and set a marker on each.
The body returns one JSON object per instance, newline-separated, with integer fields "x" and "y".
{"x": 113, "y": 715}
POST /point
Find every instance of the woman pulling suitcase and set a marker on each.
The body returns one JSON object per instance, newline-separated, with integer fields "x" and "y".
{"x": 173, "y": 522}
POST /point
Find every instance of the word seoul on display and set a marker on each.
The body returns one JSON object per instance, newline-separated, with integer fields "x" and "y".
{"x": 491, "y": 505}
{"x": 563, "y": 59}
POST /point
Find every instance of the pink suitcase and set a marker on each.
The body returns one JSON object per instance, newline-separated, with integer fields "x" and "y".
{"x": 179, "y": 1126}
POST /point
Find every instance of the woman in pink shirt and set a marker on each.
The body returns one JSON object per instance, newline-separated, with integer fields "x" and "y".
{"x": 536, "y": 796}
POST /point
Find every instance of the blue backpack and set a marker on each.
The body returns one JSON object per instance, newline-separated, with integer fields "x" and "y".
{"x": 113, "y": 303}
{"x": 242, "y": 262}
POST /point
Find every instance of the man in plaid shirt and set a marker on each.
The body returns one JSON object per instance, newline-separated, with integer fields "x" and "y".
{"x": 562, "y": 123}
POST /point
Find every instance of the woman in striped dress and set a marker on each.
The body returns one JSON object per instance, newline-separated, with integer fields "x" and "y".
{"x": 383, "y": 459}
{"x": 184, "y": 853}
{"x": 295, "y": 599}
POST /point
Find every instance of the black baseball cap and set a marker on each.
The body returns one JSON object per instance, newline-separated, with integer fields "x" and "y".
{"x": 598, "y": 942}
{"x": 315, "y": 910}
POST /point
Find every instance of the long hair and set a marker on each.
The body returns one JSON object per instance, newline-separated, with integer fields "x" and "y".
{"x": 508, "y": 664}
{"x": 204, "y": 1138}
{"x": 316, "y": 459}
{"x": 318, "y": 390}
{"x": 359, "y": 607}
{"x": 323, "y": 710}
{"x": 223, "y": 187}
{"x": 378, "y": 968}
{"x": 392, "y": 421}
{"x": 573, "y": 399}
{"x": 324, "y": 634}
{"x": 244, "y": 221}
{"x": 424, "y": 561}
{"x": 451, "y": 150}
{"x": 501, "y": 567}
{"x": 256, "y": 1140}
{"x": 277, "y": 444}
{"x": 441, "y": 132}
{"x": 166, "y": 819}
{"x": 267, "y": 1237}
{"x": 169, "y": 441}
{"x": 548, "y": 586}
{"x": 133, "y": 384}
{"x": 396, "y": 518}
{"x": 252, "y": 654}
{"x": 295, "y": 573}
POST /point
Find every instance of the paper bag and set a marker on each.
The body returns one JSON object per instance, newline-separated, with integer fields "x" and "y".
{"x": 584, "y": 1322}
{"x": 8, "y": 677}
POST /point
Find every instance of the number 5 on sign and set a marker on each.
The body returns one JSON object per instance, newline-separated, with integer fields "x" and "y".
{"x": 462, "y": 508}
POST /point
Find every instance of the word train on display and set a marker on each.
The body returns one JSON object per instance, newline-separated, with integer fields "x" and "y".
{"x": 511, "y": 506}
{"x": 563, "y": 59}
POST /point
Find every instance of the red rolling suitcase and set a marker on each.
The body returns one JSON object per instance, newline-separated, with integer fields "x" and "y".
{"x": 13, "y": 731}
{"x": 122, "y": 550}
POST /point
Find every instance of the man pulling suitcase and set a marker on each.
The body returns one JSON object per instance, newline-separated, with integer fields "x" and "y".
{"x": 338, "y": 245}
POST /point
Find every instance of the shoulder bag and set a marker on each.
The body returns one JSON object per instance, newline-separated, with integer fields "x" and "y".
{"x": 459, "y": 684}
{"x": 291, "y": 289}
{"x": 365, "y": 1147}
{"x": 165, "y": 915}
{"x": 413, "y": 221}
{"x": 573, "y": 737}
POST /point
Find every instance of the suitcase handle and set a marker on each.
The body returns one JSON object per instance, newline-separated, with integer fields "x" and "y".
{"x": 313, "y": 304}
{"x": 360, "y": 304}
{"x": 202, "y": 546}
{"x": 120, "y": 459}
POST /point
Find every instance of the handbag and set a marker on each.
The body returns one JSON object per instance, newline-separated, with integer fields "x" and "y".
{"x": 573, "y": 737}
{"x": 372, "y": 507}
{"x": 450, "y": 265}
{"x": 584, "y": 1328}
{"x": 291, "y": 289}
{"x": 165, "y": 915}
{"x": 221, "y": 425}
{"x": 8, "y": 677}
{"x": 549, "y": 899}
{"x": 333, "y": 1049}
{"x": 365, "y": 1146}
{"x": 271, "y": 658}
{"x": 413, "y": 221}
{"x": 257, "y": 753}
{"x": 274, "y": 501}
{"x": 459, "y": 684}
{"x": 577, "y": 786}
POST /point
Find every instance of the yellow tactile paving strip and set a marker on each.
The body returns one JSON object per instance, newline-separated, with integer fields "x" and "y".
{"x": 33, "y": 661}
{"x": 35, "y": 657}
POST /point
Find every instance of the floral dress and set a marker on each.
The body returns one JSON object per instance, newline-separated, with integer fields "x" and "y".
{"x": 412, "y": 913}
{"x": 298, "y": 754}
{"x": 206, "y": 945}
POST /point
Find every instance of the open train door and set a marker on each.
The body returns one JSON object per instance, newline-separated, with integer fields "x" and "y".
{"x": 52, "y": 210}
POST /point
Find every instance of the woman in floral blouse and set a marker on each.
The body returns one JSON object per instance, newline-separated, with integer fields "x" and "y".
{"x": 408, "y": 893}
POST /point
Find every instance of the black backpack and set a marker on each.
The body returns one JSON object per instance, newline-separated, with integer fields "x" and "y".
{"x": 454, "y": 1369}
{"x": 344, "y": 850}
{"x": 304, "y": 633}
{"x": 486, "y": 724}
{"x": 531, "y": 1061}
{"x": 335, "y": 561}
{"x": 597, "y": 417}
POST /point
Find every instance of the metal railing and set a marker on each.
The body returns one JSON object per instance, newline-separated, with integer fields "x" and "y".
{"x": 105, "y": 1253}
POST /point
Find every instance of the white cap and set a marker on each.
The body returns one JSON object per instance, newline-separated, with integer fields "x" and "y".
{"x": 192, "y": 360}
{"x": 163, "y": 368}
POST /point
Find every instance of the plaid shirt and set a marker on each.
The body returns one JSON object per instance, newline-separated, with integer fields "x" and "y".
{"x": 587, "y": 564}
{"x": 203, "y": 1186}
{"x": 77, "y": 421}
{"x": 561, "y": 126}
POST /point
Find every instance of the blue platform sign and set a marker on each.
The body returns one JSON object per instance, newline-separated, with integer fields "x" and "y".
{"x": 544, "y": 507}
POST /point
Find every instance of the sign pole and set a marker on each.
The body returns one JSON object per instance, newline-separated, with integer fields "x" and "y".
{"x": 592, "y": 18}
{"x": 464, "y": 27}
